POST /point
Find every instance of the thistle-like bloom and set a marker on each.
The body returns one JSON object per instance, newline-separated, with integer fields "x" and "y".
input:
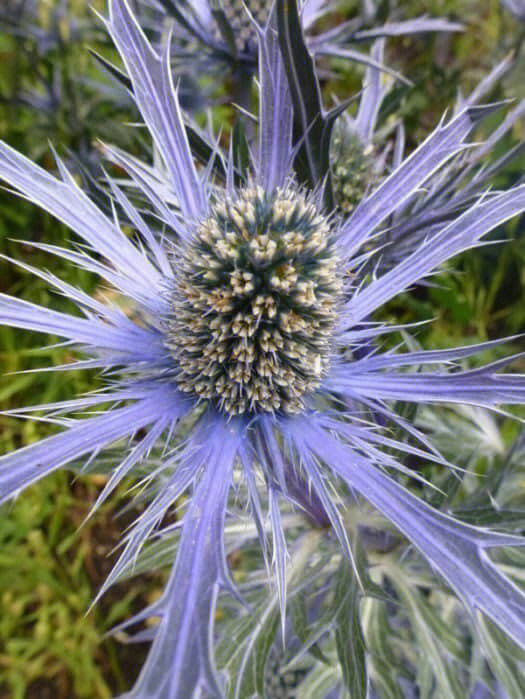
{"x": 362, "y": 154}
{"x": 226, "y": 31}
{"x": 239, "y": 358}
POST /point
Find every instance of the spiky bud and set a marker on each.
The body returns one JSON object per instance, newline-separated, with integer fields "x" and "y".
{"x": 254, "y": 309}
{"x": 352, "y": 169}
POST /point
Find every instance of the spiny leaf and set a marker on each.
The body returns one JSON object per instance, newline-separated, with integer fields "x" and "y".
{"x": 303, "y": 630}
{"x": 312, "y": 128}
{"x": 241, "y": 153}
{"x": 224, "y": 26}
{"x": 115, "y": 72}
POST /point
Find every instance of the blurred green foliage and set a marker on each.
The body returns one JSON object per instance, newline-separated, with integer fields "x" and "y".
{"x": 50, "y": 565}
{"x": 52, "y": 90}
{"x": 52, "y": 561}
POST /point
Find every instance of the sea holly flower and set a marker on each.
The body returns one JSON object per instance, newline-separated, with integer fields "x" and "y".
{"x": 226, "y": 31}
{"x": 358, "y": 155}
{"x": 354, "y": 168}
{"x": 238, "y": 360}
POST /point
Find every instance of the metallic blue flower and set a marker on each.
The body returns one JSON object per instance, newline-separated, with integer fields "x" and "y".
{"x": 240, "y": 356}
{"x": 225, "y": 32}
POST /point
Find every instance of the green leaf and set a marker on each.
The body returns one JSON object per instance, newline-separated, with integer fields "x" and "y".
{"x": 432, "y": 636}
{"x": 369, "y": 587}
{"x": 245, "y": 647}
{"x": 202, "y": 150}
{"x": 312, "y": 128}
{"x": 299, "y": 619}
{"x": 118, "y": 74}
{"x": 241, "y": 153}
{"x": 505, "y": 658}
{"x": 381, "y": 640}
{"x": 319, "y": 682}
{"x": 262, "y": 653}
{"x": 386, "y": 681}
{"x": 349, "y": 638}
{"x": 172, "y": 7}
{"x": 224, "y": 26}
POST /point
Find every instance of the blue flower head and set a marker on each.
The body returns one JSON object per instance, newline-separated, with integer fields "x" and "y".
{"x": 241, "y": 360}
{"x": 225, "y": 31}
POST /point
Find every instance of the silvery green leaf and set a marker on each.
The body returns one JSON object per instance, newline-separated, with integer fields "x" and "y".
{"x": 320, "y": 682}
{"x": 430, "y": 648}
{"x": 245, "y": 640}
{"x": 381, "y": 642}
{"x": 348, "y": 633}
{"x": 387, "y": 686}
{"x": 249, "y": 634}
{"x": 505, "y": 659}
{"x": 303, "y": 629}
{"x": 154, "y": 556}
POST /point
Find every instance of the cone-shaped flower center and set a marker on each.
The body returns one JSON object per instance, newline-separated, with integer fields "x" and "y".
{"x": 240, "y": 21}
{"x": 352, "y": 169}
{"x": 255, "y": 303}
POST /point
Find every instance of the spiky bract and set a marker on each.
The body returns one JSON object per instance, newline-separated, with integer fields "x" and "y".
{"x": 255, "y": 303}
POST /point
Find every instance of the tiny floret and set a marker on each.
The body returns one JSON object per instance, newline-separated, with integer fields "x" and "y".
{"x": 254, "y": 308}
